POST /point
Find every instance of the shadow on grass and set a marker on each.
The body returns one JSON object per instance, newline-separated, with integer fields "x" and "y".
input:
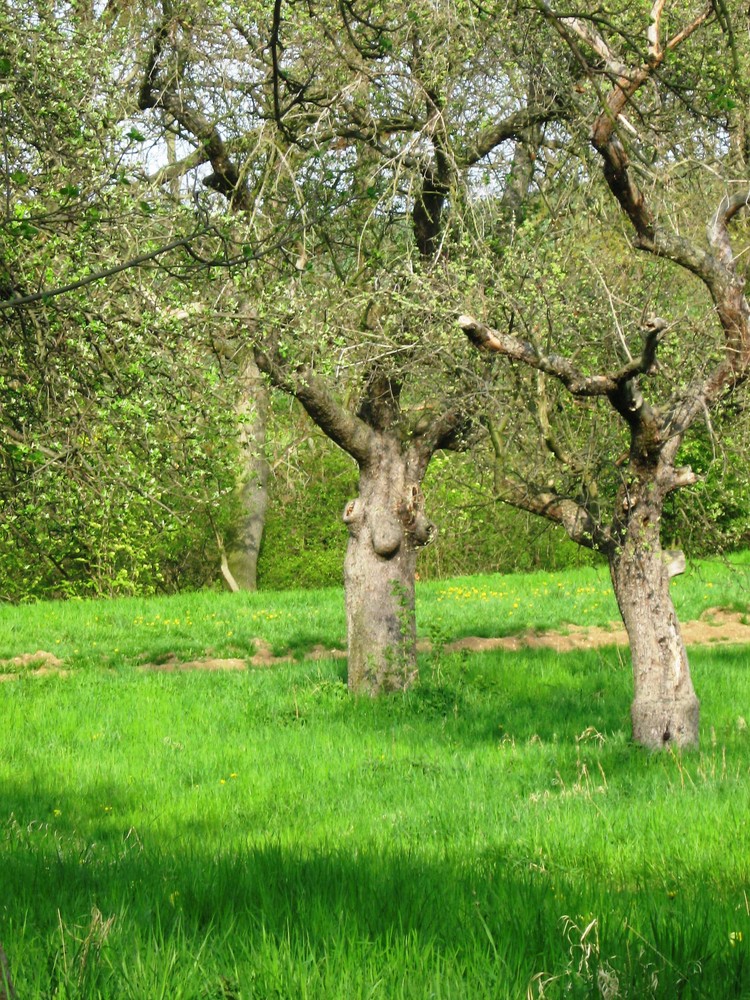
{"x": 495, "y": 921}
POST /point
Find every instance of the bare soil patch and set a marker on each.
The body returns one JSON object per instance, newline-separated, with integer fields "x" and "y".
{"x": 715, "y": 627}
{"x": 48, "y": 663}
{"x": 208, "y": 663}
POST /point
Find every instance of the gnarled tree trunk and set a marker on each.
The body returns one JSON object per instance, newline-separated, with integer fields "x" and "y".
{"x": 665, "y": 709}
{"x": 386, "y": 527}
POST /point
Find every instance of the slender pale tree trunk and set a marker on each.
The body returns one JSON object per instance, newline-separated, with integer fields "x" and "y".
{"x": 386, "y": 527}
{"x": 665, "y": 709}
{"x": 252, "y": 489}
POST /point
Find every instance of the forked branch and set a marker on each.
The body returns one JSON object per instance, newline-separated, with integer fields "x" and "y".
{"x": 341, "y": 426}
{"x": 558, "y": 367}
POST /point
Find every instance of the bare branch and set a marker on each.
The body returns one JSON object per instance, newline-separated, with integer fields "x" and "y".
{"x": 627, "y": 85}
{"x": 512, "y": 127}
{"x": 440, "y": 431}
{"x": 718, "y": 229}
{"x": 559, "y": 367}
{"x": 577, "y": 521}
{"x": 107, "y": 272}
{"x": 174, "y": 171}
{"x": 595, "y": 41}
{"x": 654, "y": 32}
{"x": 342, "y": 426}
{"x": 226, "y": 177}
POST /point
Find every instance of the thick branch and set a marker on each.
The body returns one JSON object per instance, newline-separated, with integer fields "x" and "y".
{"x": 718, "y": 229}
{"x": 578, "y": 523}
{"x": 560, "y": 368}
{"x": 616, "y": 162}
{"x": 441, "y": 431}
{"x": 341, "y": 426}
{"x": 226, "y": 178}
{"x": 512, "y": 127}
{"x": 428, "y": 211}
{"x": 174, "y": 171}
{"x": 587, "y": 33}
{"x": 380, "y": 407}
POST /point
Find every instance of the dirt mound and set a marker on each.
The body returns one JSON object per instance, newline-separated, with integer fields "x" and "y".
{"x": 207, "y": 663}
{"x": 47, "y": 663}
{"x": 715, "y": 626}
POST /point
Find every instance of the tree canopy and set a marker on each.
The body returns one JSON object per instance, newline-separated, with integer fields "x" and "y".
{"x": 320, "y": 190}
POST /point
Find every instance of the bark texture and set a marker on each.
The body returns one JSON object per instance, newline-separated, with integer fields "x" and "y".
{"x": 665, "y": 709}
{"x": 386, "y": 525}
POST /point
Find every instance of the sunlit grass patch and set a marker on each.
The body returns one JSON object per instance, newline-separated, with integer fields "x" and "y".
{"x": 264, "y": 833}
{"x": 111, "y": 634}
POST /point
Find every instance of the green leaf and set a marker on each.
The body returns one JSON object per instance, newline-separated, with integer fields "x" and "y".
{"x": 23, "y": 228}
{"x": 136, "y": 136}
{"x": 5, "y": 66}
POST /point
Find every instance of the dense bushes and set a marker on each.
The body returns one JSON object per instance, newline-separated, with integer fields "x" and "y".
{"x": 61, "y": 538}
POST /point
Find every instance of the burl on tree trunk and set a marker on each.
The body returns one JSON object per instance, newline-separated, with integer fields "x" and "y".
{"x": 386, "y": 527}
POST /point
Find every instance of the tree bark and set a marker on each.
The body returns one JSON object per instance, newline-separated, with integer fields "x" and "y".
{"x": 665, "y": 709}
{"x": 386, "y": 526}
{"x": 252, "y": 489}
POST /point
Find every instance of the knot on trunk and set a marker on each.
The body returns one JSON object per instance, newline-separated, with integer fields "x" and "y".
{"x": 386, "y": 534}
{"x": 422, "y": 531}
{"x": 419, "y": 529}
{"x": 352, "y": 517}
{"x": 674, "y": 560}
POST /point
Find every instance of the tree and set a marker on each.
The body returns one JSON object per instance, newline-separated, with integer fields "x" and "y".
{"x": 240, "y": 564}
{"x": 105, "y": 417}
{"x": 357, "y": 136}
{"x": 617, "y": 506}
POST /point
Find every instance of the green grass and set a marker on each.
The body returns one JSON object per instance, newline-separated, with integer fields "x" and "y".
{"x": 263, "y": 835}
{"x": 137, "y": 630}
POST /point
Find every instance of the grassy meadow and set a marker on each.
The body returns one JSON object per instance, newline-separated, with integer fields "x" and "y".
{"x": 260, "y": 834}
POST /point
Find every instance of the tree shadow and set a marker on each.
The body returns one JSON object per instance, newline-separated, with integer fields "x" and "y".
{"x": 495, "y": 916}
{"x": 58, "y": 867}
